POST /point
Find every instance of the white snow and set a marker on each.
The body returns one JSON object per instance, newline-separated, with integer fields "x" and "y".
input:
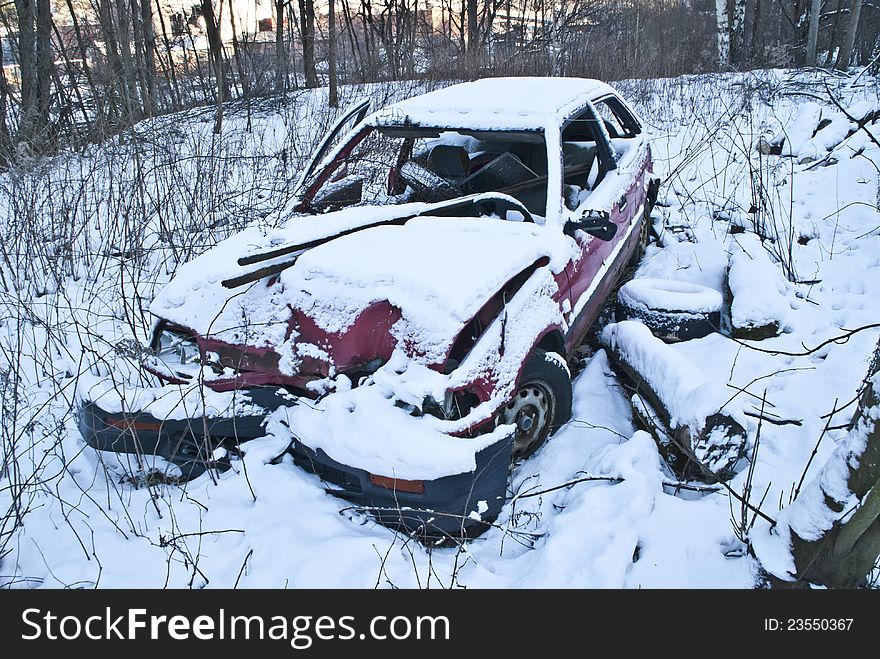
{"x": 437, "y": 271}
{"x": 494, "y": 103}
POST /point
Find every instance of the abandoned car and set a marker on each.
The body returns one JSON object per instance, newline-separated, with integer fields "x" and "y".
{"x": 408, "y": 325}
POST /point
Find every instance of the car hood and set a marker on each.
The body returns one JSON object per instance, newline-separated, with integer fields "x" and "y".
{"x": 415, "y": 285}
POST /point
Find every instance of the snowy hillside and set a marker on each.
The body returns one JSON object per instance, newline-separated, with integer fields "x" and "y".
{"x": 89, "y": 239}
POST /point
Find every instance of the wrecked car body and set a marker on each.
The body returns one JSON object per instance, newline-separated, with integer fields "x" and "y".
{"x": 407, "y": 324}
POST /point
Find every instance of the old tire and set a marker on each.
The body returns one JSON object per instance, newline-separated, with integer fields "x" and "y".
{"x": 541, "y": 404}
{"x": 673, "y": 310}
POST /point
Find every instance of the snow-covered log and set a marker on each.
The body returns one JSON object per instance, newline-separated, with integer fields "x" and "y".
{"x": 835, "y": 130}
{"x": 800, "y": 129}
{"x": 833, "y": 526}
{"x": 756, "y": 291}
{"x": 691, "y": 417}
{"x": 814, "y": 131}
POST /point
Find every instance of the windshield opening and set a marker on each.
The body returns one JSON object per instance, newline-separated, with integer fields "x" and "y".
{"x": 398, "y": 164}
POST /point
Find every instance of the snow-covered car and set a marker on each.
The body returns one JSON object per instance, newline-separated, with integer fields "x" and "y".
{"x": 406, "y": 326}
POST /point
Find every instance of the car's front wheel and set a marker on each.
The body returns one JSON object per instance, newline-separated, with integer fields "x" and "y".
{"x": 542, "y": 402}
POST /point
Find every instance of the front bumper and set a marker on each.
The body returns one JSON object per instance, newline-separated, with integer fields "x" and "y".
{"x": 187, "y": 443}
{"x": 458, "y": 505}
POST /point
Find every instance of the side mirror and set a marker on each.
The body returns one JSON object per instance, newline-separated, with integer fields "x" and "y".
{"x": 595, "y": 223}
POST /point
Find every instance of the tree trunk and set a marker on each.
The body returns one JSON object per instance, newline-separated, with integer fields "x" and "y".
{"x": 813, "y": 33}
{"x": 5, "y": 137}
{"x": 852, "y": 27}
{"x": 36, "y": 66}
{"x": 331, "y": 55}
{"x": 243, "y": 80}
{"x": 123, "y": 33}
{"x": 834, "y": 523}
{"x": 280, "y": 51}
{"x": 759, "y": 30}
{"x": 170, "y": 75}
{"x": 722, "y": 27}
{"x": 87, "y": 69}
{"x": 148, "y": 44}
{"x": 216, "y": 48}
{"x": 737, "y": 31}
{"x": 307, "y": 34}
{"x": 832, "y": 42}
{"x": 473, "y": 40}
{"x": 108, "y": 33}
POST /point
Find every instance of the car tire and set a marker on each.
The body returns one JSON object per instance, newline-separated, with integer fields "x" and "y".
{"x": 673, "y": 310}
{"x": 541, "y": 404}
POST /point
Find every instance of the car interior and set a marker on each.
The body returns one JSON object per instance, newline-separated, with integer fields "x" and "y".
{"x": 398, "y": 164}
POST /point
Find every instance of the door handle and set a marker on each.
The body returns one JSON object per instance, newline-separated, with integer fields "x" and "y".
{"x": 621, "y": 204}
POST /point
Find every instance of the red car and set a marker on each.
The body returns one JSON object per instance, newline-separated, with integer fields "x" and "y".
{"x": 407, "y": 325}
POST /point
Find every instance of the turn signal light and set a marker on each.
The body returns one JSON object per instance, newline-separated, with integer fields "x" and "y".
{"x": 398, "y": 484}
{"x": 125, "y": 424}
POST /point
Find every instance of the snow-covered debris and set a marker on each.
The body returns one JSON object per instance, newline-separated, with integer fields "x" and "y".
{"x": 800, "y": 129}
{"x": 758, "y": 306}
{"x": 837, "y": 130}
{"x": 699, "y": 414}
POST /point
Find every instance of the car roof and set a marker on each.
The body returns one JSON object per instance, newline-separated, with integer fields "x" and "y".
{"x": 495, "y": 103}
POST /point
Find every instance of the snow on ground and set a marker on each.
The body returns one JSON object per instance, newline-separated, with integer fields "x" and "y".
{"x": 89, "y": 239}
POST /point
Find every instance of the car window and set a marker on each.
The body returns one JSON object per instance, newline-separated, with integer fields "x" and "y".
{"x": 618, "y": 121}
{"x": 586, "y": 157}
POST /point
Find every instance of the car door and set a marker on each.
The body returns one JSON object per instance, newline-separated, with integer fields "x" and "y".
{"x": 609, "y": 186}
{"x": 350, "y": 117}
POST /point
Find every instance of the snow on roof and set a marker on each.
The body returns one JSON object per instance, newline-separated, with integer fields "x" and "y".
{"x": 496, "y": 103}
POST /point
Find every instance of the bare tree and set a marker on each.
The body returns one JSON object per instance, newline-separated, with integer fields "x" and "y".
{"x": 35, "y": 61}
{"x": 813, "y": 33}
{"x": 737, "y": 31}
{"x": 5, "y": 137}
{"x": 307, "y": 37}
{"x": 846, "y": 52}
{"x": 331, "y": 53}
{"x": 216, "y": 48}
{"x": 280, "y": 50}
{"x": 473, "y": 37}
{"x": 722, "y": 27}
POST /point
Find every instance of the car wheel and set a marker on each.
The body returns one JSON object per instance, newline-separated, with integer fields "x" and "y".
{"x": 542, "y": 402}
{"x": 673, "y": 310}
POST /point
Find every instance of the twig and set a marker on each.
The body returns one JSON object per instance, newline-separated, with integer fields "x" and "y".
{"x": 567, "y": 484}
{"x": 243, "y": 566}
{"x": 839, "y": 340}
{"x": 797, "y": 490}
